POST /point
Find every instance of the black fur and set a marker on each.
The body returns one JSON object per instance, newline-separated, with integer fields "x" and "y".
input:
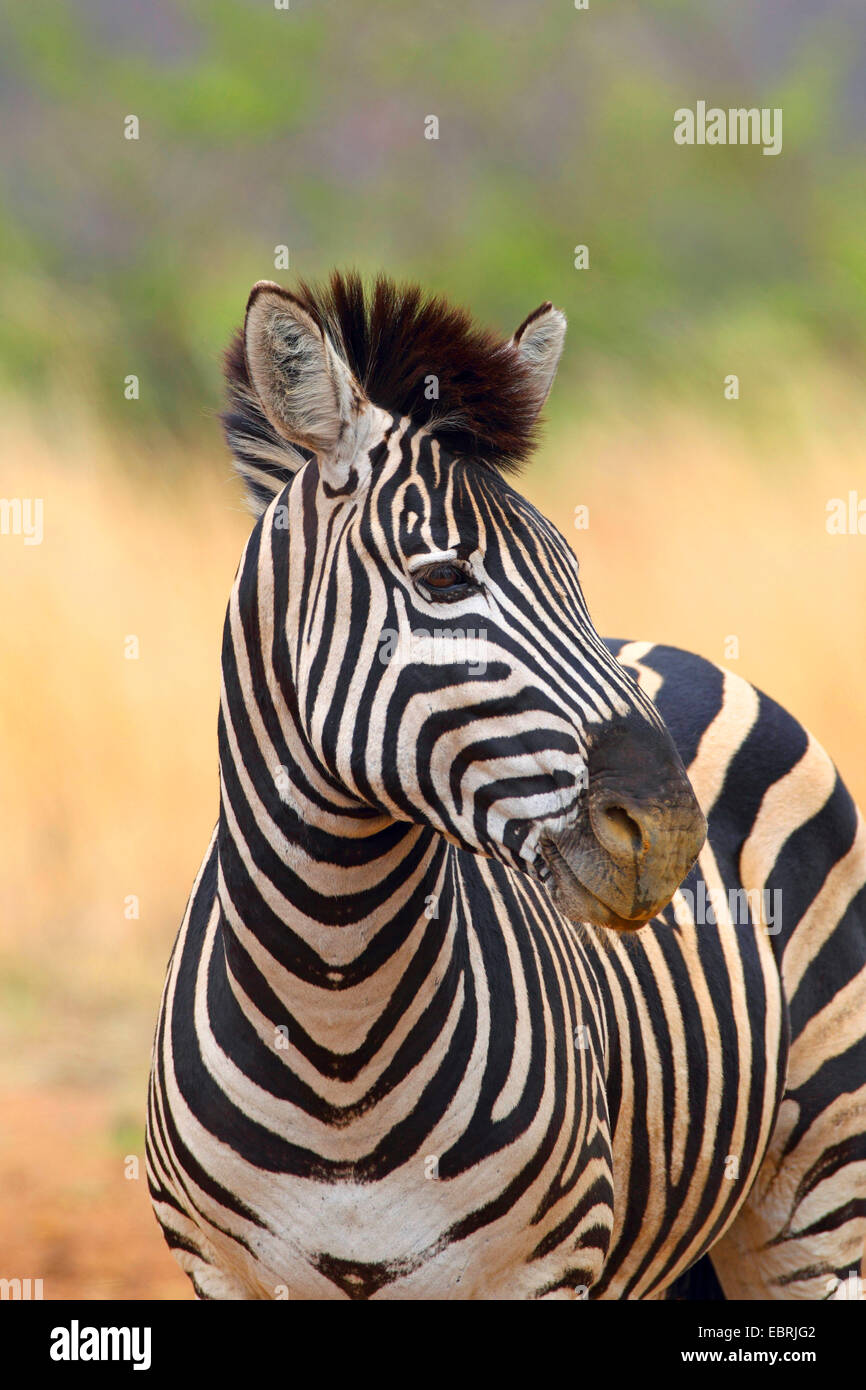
{"x": 394, "y": 338}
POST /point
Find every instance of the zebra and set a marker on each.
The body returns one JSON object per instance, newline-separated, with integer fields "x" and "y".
{"x": 484, "y": 989}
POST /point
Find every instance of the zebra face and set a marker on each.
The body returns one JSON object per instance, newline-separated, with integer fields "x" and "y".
{"x": 443, "y": 665}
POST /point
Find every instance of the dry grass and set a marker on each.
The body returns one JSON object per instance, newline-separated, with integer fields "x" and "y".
{"x": 694, "y": 539}
{"x": 108, "y": 765}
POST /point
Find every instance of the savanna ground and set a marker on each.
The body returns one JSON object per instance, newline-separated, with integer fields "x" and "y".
{"x": 700, "y": 530}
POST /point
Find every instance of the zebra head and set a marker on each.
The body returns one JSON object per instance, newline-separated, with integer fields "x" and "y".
{"x": 431, "y": 636}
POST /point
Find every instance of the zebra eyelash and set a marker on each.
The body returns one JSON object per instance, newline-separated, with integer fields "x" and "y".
{"x": 433, "y": 595}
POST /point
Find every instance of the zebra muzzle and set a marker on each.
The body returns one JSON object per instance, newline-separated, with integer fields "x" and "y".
{"x": 638, "y": 831}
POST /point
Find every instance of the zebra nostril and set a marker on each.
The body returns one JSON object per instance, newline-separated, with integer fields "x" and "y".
{"x": 618, "y": 831}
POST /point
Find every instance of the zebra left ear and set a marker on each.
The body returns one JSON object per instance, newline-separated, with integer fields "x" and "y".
{"x": 306, "y": 389}
{"x": 540, "y": 339}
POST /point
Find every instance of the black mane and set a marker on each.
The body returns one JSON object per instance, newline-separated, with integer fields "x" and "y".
{"x": 395, "y": 339}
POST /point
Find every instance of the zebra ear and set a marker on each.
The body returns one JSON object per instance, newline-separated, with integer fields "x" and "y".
{"x": 540, "y": 339}
{"x": 306, "y": 389}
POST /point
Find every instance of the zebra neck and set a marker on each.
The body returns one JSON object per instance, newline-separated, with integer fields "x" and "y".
{"x": 326, "y": 908}
{"x": 317, "y": 890}
{"x": 320, "y": 950}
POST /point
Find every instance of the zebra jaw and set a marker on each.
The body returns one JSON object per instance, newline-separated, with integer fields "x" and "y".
{"x": 573, "y": 899}
{"x": 555, "y": 867}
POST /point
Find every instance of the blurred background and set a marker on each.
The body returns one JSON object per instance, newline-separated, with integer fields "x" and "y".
{"x": 305, "y": 129}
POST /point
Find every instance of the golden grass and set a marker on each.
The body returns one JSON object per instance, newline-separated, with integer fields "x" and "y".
{"x": 695, "y": 538}
{"x": 108, "y": 765}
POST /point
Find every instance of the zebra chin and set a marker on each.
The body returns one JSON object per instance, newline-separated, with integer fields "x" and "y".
{"x": 610, "y": 887}
{"x": 579, "y": 903}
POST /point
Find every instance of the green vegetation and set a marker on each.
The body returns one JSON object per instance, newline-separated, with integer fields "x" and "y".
{"x": 261, "y": 127}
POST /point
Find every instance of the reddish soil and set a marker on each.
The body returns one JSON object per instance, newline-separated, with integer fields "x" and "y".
{"x": 67, "y": 1213}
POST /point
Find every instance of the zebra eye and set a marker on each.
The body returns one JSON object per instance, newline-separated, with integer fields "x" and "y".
{"x": 445, "y": 579}
{"x": 444, "y": 576}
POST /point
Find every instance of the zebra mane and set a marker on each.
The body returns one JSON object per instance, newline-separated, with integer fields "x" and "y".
{"x": 413, "y": 355}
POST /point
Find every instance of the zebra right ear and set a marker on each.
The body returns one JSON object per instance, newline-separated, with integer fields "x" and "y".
{"x": 306, "y": 389}
{"x": 540, "y": 339}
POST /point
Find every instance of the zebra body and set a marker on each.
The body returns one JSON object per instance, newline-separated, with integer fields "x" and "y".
{"x": 388, "y": 1064}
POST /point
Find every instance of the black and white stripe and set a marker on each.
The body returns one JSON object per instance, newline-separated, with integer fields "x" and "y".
{"x": 387, "y": 1063}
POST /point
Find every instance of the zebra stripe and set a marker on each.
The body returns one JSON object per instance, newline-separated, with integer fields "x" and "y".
{"x": 402, "y": 1051}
